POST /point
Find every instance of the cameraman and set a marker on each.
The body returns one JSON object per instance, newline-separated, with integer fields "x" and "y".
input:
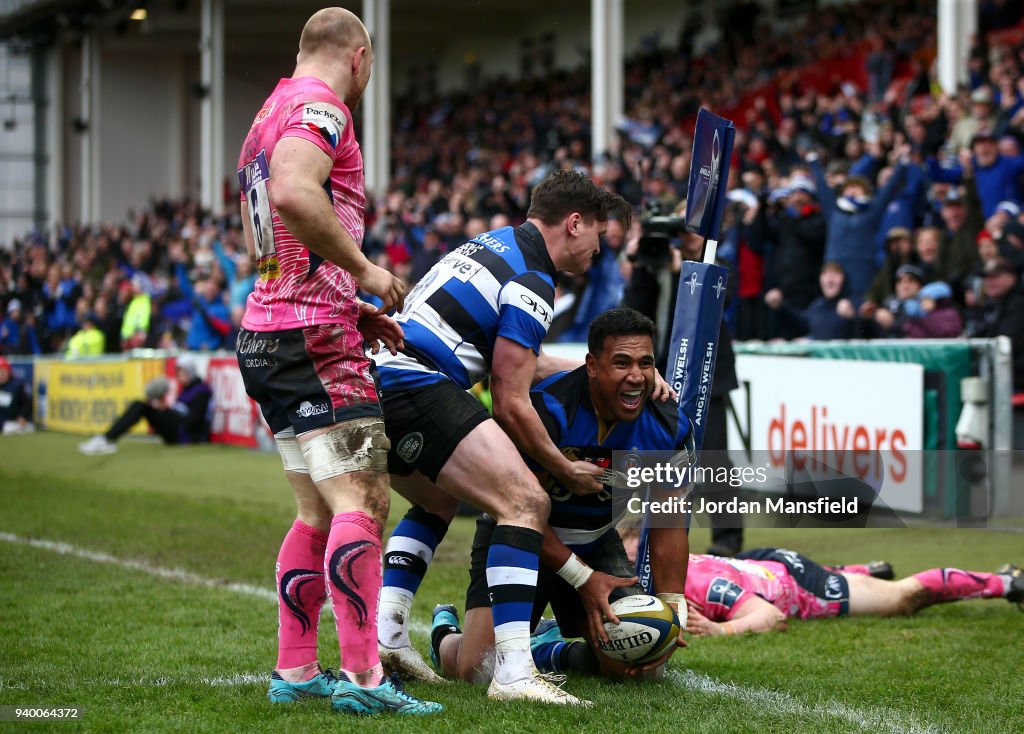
{"x": 655, "y": 270}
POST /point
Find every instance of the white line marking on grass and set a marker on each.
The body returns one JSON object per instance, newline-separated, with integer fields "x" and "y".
{"x": 764, "y": 698}
{"x": 171, "y": 574}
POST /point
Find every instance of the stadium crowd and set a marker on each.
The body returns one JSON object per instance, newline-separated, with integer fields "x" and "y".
{"x": 865, "y": 201}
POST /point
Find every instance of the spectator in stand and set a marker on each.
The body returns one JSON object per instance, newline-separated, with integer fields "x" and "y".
{"x": 1002, "y": 313}
{"x": 210, "y": 322}
{"x": 982, "y": 117}
{"x": 927, "y": 243}
{"x": 1006, "y": 212}
{"x": 427, "y": 255}
{"x": 109, "y": 322}
{"x": 854, "y": 219}
{"x": 958, "y": 252}
{"x": 900, "y": 252}
{"x": 889, "y": 319}
{"x": 831, "y": 315}
{"x": 18, "y": 333}
{"x": 185, "y": 421}
{"x": 750, "y": 257}
{"x": 87, "y": 341}
{"x": 60, "y": 291}
{"x": 137, "y": 312}
{"x": 935, "y": 315}
{"x": 797, "y": 232}
{"x": 997, "y": 177}
{"x": 1011, "y": 244}
{"x": 238, "y": 272}
{"x": 15, "y": 401}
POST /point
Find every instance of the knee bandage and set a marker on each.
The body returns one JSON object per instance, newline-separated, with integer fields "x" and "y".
{"x": 291, "y": 454}
{"x": 355, "y": 445}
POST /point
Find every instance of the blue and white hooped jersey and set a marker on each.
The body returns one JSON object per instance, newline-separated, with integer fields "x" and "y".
{"x": 500, "y": 283}
{"x": 563, "y": 403}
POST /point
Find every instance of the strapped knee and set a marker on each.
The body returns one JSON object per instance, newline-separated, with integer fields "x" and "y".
{"x": 291, "y": 454}
{"x": 355, "y": 445}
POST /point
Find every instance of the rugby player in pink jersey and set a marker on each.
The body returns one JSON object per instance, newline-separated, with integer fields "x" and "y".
{"x": 762, "y": 588}
{"x": 301, "y": 354}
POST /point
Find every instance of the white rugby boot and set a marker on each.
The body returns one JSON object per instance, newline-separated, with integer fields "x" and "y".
{"x": 97, "y": 445}
{"x": 408, "y": 663}
{"x": 540, "y": 687}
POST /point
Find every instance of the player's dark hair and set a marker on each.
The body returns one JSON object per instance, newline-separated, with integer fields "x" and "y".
{"x": 617, "y": 322}
{"x": 565, "y": 191}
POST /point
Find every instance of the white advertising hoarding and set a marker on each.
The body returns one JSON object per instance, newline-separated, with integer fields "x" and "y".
{"x": 863, "y": 418}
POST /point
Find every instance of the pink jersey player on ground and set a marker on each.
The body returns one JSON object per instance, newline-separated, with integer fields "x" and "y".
{"x": 301, "y": 355}
{"x": 759, "y": 590}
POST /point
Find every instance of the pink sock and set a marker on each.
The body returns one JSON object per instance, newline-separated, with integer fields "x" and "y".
{"x": 353, "y": 564}
{"x": 301, "y": 592}
{"x": 951, "y": 584}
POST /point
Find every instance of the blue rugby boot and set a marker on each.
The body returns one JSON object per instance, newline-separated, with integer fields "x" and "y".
{"x": 387, "y": 698}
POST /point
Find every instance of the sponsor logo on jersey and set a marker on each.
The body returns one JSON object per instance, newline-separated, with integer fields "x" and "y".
{"x": 632, "y": 461}
{"x": 306, "y": 409}
{"x": 833, "y": 586}
{"x": 325, "y": 119}
{"x": 724, "y": 592}
{"x": 410, "y": 446}
{"x": 264, "y": 114}
{"x": 270, "y": 268}
{"x": 538, "y": 307}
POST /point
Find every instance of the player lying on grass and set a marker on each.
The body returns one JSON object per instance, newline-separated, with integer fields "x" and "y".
{"x": 589, "y": 412}
{"x": 761, "y": 588}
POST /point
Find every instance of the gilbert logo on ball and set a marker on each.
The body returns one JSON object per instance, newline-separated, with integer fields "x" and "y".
{"x": 647, "y": 629}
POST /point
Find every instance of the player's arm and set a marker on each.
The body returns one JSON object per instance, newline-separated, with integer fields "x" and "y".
{"x": 548, "y": 365}
{"x": 298, "y": 169}
{"x": 594, "y": 587}
{"x": 511, "y": 377}
{"x": 669, "y": 553}
{"x": 753, "y": 615}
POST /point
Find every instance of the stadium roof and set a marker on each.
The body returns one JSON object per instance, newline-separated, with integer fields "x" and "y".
{"x": 412, "y": 21}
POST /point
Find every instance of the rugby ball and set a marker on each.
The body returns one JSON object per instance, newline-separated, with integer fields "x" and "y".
{"x": 647, "y": 629}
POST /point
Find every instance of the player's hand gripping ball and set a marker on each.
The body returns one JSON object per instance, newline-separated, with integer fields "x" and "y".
{"x": 647, "y": 629}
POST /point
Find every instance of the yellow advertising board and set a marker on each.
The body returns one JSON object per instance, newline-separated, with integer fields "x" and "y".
{"x": 86, "y": 397}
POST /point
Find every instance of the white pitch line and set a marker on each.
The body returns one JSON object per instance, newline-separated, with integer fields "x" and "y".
{"x": 866, "y": 719}
{"x": 171, "y": 574}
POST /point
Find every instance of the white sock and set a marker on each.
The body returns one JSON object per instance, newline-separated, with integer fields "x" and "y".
{"x": 393, "y": 617}
{"x": 512, "y": 657}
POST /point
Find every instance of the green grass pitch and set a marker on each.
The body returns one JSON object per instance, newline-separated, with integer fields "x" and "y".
{"x": 97, "y": 626}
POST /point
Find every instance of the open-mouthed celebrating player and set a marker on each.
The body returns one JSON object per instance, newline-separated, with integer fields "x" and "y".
{"x": 599, "y": 408}
{"x": 484, "y": 309}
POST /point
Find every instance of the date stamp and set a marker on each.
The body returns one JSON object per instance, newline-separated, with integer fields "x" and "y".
{"x": 40, "y": 713}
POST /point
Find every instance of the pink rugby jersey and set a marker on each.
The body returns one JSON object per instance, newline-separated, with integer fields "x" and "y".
{"x": 297, "y": 288}
{"x": 718, "y": 587}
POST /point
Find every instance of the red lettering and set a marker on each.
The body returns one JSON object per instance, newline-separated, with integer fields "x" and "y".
{"x": 898, "y": 467}
{"x": 777, "y": 424}
{"x": 836, "y": 443}
{"x": 798, "y": 436}
{"x": 861, "y": 441}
